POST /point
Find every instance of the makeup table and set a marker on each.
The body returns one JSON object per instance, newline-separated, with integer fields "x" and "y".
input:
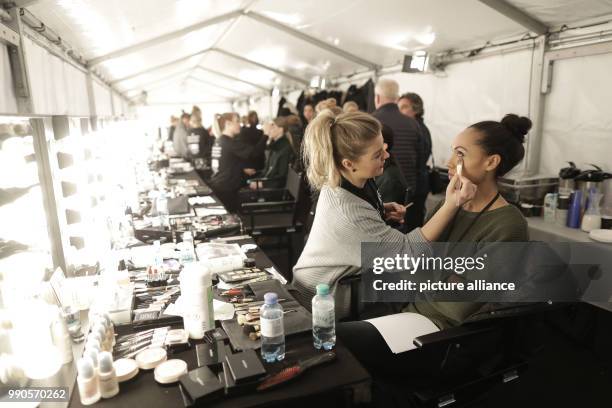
{"x": 342, "y": 382}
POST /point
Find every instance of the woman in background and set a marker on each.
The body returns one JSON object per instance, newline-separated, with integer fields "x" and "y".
{"x": 228, "y": 160}
{"x": 280, "y": 155}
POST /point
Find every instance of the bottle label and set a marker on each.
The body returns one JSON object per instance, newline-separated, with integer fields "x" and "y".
{"x": 323, "y": 317}
{"x": 272, "y": 327}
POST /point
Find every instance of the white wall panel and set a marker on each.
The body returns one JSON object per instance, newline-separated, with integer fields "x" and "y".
{"x": 578, "y": 114}
{"x": 76, "y": 91}
{"x": 8, "y": 101}
{"x": 117, "y": 107}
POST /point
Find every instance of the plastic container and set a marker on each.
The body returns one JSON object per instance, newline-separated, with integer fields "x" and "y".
{"x": 574, "y": 214}
{"x": 187, "y": 248}
{"x": 323, "y": 318}
{"x": 197, "y": 300}
{"x": 162, "y": 209}
{"x": 550, "y": 207}
{"x": 87, "y": 381}
{"x": 272, "y": 329}
{"x": 109, "y": 387}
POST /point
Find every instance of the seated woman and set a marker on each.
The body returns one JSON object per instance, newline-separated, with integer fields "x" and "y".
{"x": 280, "y": 156}
{"x": 482, "y": 153}
{"x": 343, "y": 154}
{"x": 228, "y": 158}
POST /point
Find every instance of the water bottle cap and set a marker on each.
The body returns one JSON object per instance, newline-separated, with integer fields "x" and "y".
{"x": 156, "y": 244}
{"x": 106, "y": 362}
{"x": 322, "y": 289}
{"x": 85, "y": 367}
{"x": 270, "y": 298}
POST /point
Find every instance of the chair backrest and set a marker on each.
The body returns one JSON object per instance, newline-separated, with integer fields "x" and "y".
{"x": 296, "y": 186}
{"x": 293, "y": 183}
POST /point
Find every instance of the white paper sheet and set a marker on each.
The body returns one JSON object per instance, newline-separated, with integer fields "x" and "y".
{"x": 222, "y": 310}
{"x": 203, "y": 211}
{"x": 200, "y": 200}
{"x": 399, "y": 330}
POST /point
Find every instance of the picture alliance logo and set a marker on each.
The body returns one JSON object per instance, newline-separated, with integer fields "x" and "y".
{"x": 411, "y": 264}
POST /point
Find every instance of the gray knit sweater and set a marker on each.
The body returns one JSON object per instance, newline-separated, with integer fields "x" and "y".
{"x": 333, "y": 250}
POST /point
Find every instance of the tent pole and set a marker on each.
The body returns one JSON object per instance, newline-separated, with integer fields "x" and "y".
{"x": 531, "y": 163}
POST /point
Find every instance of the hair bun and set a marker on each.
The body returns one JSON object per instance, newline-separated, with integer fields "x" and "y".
{"x": 517, "y": 125}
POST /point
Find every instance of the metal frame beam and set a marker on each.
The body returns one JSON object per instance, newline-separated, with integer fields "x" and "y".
{"x": 517, "y": 15}
{"x": 232, "y": 78}
{"x": 165, "y": 78}
{"x": 531, "y": 163}
{"x": 156, "y": 67}
{"x": 163, "y": 38}
{"x": 262, "y": 66}
{"x": 216, "y": 86}
{"x": 312, "y": 40}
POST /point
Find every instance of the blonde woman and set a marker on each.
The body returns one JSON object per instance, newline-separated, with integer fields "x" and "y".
{"x": 343, "y": 153}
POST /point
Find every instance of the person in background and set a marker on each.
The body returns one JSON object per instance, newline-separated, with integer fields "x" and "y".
{"x": 251, "y": 135}
{"x": 179, "y": 141}
{"x": 280, "y": 156}
{"x": 173, "y": 124}
{"x": 391, "y": 184}
{"x": 228, "y": 159}
{"x": 407, "y": 141}
{"x": 206, "y": 141}
{"x": 350, "y": 106}
{"x": 411, "y": 105}
{"x": 309, "y": 113}
{"x": 329, "y": 103}
{"x": 296, "y": 132}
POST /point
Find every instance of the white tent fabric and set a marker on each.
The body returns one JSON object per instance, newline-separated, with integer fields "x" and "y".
{"x": 8, "y": 101}
{"x": 469, "y": 92}
{"x": 57, "y": 87}
{"x": 226, "y": 61}
{"x": 102, "y": 98}
{"x": 578, "y": 114}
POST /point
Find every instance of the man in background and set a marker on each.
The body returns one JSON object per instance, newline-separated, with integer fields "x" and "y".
{"x": 407, "y": 147}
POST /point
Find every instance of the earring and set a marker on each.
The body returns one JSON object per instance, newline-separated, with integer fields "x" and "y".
{"x": 354, "y": 170}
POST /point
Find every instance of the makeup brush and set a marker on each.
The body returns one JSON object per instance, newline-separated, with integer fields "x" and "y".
{"x": 292, "y": 372}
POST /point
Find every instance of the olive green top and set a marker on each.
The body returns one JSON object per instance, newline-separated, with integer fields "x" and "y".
{"x": 504, "y": 224}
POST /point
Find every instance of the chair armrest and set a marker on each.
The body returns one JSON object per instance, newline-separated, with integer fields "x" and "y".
{"x": 252, "y": 179}
{"x": 266, "y": 204}
{"x": 451, "y": 334}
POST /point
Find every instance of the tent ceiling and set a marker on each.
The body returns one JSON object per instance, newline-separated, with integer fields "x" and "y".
{"x": 378, "y": 32}
{"x": 557, "y": 12}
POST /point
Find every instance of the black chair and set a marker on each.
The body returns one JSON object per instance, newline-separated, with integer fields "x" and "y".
{"x": 493, "y": 346}
{"x": 280, "y": 214}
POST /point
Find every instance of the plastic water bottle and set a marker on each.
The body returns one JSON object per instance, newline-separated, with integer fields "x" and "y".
{"x": 272, "y": 329}
{"x": 187, "y": 254}
{"x": 323, "y": 318}
{"x": 159, "y": 258}
{"x": 162, "y": 209}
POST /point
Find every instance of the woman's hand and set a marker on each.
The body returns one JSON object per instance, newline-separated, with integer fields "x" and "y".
{"x": 394, "y": 212}
{"x": 459, "y": 191}
{"x": 249, "y": 172}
